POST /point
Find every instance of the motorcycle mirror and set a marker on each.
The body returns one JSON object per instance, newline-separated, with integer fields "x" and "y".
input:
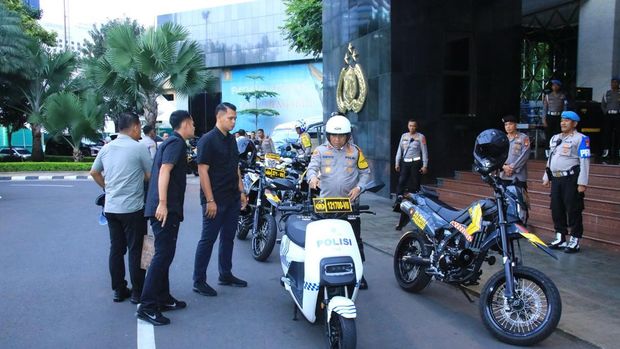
{"x": 374, "y": 186}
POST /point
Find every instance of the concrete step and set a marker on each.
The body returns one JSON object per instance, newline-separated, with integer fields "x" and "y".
{"x": 597, "y": 226}
{"x": 600, "y": 169}
{"x": 594, "y": 179}
{"x": 600, "y": 205}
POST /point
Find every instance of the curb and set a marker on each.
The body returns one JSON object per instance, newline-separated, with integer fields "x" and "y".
{"x": 45, "y": 178}
{"x": 477, "y": 295}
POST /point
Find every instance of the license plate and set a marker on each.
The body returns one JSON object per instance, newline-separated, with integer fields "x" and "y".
{"x": 275, "y": 173}
{"x": 331, "y": 205}
{"x": 272, "y": 156}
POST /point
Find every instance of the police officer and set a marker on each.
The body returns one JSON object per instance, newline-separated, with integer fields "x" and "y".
{"x": 264, "y": 142}
{"x": 342, "y": 168}
{"x": 611, "y": 110}
{"x": 515, "y": 168}
{"x": 412, "y": 162}
{"x": 567, "y": 169}
{"x": 554, "y": 103}
{"x": 304, "y": 141}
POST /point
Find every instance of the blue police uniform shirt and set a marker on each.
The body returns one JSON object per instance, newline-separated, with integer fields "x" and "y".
{"x": 220, "y": 152}
{"x": 172, "y": 151}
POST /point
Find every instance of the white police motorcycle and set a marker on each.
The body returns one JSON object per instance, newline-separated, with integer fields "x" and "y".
{"x": 322, "y": 265}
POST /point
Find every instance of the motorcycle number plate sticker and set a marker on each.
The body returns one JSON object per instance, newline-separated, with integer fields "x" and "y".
{"x": 418, "y": 220}
{"x": 331, "y": 205}
{"x": 275, "y": 173}
{"x": 272, "y": 156}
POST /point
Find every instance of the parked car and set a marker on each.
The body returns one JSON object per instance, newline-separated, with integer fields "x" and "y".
{"x": 15, "y": 154}
{"x": 58, "y": 146}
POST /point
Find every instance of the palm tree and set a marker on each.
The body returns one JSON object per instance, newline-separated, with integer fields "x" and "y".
{"x": 51, "y": 73}
{"x": 144, "y": 67}
{"x": 79, "y": 116}
{"x": 13, "y": 43}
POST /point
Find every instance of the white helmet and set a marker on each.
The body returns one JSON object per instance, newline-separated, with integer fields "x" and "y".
{"x": 300, "y": 124}
{"x": 338, "y": 125}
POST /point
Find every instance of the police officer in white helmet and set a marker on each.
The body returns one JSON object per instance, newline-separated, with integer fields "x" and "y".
{"x": 340, "y": 169}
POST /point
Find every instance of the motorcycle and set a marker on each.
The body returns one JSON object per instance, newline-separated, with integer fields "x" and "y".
{"x": 322, "y": 265}
{"x": 518, "y": 305}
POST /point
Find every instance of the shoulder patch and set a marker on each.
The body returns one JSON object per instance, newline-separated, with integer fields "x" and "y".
{"x": 584, "y": 147}
{"x": 422, "y": 139}
{"x": 362, "y": 163}
{"x": 526, "y": 140}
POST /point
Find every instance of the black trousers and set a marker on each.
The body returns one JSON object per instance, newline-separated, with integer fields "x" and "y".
{"x": 611, "y": 125}
{"x": 127, "y": 232}
{"x": 157, "y": 284}
{"x": 356, "y": 224}
{"x": 553, "y": 127}
{"x": 567, "y": 205}
{"x": 410, "y": 177}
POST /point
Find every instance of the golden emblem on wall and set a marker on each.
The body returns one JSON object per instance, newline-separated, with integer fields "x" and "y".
{"x": 352, "y": 87}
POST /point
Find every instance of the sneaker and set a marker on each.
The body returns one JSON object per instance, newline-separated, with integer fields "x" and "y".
{"x": 363, "y": 284}
{"x": 558, "y": 243}
{"x": 606, "y": 153}
{"x": 172, "y": 304}
{"x": 202, "y": 288}
{"x": 121, "y": 294}
{"x": 155, "y": 317}
{"x": 573, "y": 245}
{"x": 231, "y": 280}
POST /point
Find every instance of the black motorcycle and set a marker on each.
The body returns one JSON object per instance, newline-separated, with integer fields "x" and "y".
{"x": 519, "y": 305}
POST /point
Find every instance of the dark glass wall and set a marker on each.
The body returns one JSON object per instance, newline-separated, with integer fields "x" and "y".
{"x": 452, "y": 65}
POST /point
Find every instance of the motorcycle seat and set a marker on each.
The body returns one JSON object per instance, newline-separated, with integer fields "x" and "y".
{"x": 445, "y": 211}
{"x": 295, "y": 229}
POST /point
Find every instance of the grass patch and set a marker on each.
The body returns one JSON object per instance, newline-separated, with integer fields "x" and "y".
{"x": 44, "y": 166}
{"x": 66, "y": 158}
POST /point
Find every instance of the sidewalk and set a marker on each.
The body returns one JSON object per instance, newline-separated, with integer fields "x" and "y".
{"x": 589, "y": 281}
{"x": 21, "y": 176}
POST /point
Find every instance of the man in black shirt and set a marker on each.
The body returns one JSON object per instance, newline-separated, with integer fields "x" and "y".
{"x": 221, "y": 197}
{"x": 164, "y": 206}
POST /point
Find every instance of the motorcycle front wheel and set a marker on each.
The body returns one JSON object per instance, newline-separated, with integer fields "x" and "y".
{"x": 531, "y": 317}
{"x": 264, "y": 239}
{"x": 341, "y": 332}
{"x": 411, "y": 277}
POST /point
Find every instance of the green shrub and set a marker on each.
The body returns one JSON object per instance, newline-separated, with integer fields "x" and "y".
{"x": 44, "y": 166}
{"x": 66, "y": 158}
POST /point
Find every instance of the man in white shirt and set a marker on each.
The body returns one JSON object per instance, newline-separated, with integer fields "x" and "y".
{"x": 149, "y": 140}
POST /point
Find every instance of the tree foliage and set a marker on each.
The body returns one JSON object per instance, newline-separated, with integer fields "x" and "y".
{"x": 95, "y": 47}
{"x": 303, "y": 27}
{"x": 143, "y": 67}
{"x": 257, "y": 95}
{"x": 76, "y": 115}
{"x": 28, "y": 17}
{"x": 14, "y": 44}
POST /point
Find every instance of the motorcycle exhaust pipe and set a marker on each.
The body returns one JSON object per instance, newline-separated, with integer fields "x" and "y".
{"x": 424, "y": 262}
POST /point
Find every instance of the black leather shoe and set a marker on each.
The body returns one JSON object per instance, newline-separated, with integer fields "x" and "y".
{"x": 363, "y": 284}
{"x": 155, "y": 317}
{"x": 121, "y": 294}
{"x": 135, "y": 296}
{"x": 202, "y": 288}
{"x": 172, "y": 304}
{"x": 231, "y": 280}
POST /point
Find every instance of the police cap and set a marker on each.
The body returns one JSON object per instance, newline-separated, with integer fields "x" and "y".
{"x": 556, "y": 82}
{"x": 570, "y": 115}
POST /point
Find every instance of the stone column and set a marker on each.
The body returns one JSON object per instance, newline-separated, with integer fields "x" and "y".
{"x": 598, "y": 56}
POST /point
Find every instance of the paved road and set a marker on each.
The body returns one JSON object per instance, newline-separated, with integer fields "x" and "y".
{"x": 55, "y": 292}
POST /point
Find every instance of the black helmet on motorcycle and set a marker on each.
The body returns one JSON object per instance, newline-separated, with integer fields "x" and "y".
{"x": 490, "y": 151}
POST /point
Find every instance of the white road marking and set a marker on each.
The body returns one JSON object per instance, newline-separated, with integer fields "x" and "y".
{"x": 43, "y": 185}
{"x": 146, "y": 335}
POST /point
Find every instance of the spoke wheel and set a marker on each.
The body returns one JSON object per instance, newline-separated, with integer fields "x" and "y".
{"x": 264, "y": 239}
{"x": 530, "y": 316}
{"x": 411, "y": 277}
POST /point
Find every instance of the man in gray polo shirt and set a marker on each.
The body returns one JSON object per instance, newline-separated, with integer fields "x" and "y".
{"x": 121, "y": 168}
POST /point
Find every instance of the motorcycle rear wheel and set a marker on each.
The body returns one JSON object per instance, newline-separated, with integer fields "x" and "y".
{"x": 341, "y": 332}
{"x": 264, "y": 239}
{"x": 410, "y": 277}
{"x": 533, "y": 317}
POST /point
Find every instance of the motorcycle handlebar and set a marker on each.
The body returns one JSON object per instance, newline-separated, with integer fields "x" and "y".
{"x": 296, "y": 208}
{"x": 363, "y": 207}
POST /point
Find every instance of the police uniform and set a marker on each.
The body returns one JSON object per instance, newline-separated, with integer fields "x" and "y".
{"x": 518, "y": 154}
{"x": 340, "y": 171}
{"x": 553, "y": 106}
{"x": 266, "y": 145}
{"x": 611, "y": 110}
{"x": 568, "y": 167}
{"x": 306, "y": 144}
{"x": 411, "y": 156}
